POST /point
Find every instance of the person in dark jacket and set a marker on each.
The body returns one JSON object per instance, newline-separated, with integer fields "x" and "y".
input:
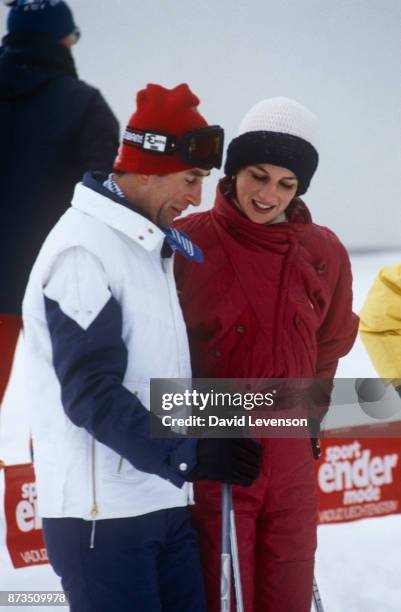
{"x": 53, "y": 128}
{"x": 272, "y": 300}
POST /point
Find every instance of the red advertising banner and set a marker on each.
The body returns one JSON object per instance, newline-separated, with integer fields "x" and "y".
{"x": 359, "y": 475}
{"x": 24, "y": 527}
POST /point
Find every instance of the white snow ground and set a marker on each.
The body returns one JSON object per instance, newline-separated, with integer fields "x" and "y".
{"x": 358, "y": 564}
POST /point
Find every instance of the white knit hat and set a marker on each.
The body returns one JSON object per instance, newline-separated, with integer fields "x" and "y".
{"x": 278, "y": 131}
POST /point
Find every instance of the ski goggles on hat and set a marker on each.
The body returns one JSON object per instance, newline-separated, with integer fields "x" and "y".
{"x": 202, "y": 148}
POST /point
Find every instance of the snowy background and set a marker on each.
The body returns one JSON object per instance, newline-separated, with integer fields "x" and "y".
{"x": 342, "y": 60}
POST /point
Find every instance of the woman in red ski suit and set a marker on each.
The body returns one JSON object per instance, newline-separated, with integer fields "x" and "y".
{"x": 273, "y": 299}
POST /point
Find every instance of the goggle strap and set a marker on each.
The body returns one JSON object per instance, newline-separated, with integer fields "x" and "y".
{"x": 150, "y": 141}
{"x": 168, "y": 144}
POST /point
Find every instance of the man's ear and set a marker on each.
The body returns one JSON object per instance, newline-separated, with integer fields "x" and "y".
{"x": 143, "y": 179}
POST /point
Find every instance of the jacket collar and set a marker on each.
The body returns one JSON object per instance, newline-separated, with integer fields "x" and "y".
{"x": 274, "y": 235}
{"x": 99, "y": 205}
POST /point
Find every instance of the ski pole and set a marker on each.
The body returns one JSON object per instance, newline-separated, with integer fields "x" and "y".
{"x": 229, "y": 553}
{"x": 235, "y": 557}
{"x": 225, "y": 577}
{"x": 317, "y": 602}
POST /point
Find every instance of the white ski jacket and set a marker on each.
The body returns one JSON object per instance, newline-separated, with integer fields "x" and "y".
{"x": 101, "y": 317}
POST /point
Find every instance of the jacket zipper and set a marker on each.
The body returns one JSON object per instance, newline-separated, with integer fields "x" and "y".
{"x": 165, "y": 270}
{"x": 94, "y": 509}
{"x": 189, "y": 492}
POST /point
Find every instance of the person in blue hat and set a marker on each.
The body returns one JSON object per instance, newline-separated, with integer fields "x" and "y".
{"x": 52, "y": 17}
{"x": 54, "y": 127}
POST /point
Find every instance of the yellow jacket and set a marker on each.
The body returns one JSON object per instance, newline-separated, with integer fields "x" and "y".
{"x": 380, "y": 323}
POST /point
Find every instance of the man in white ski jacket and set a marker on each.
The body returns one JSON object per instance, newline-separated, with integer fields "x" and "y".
{"x": 101, "y": 317}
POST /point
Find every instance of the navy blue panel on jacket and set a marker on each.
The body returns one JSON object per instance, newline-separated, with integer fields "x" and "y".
{"x": 53, "y": 128}
{"x": 90, "y": 365}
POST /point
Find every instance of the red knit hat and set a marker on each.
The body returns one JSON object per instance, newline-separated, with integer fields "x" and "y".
{"x": 164, "y": 111}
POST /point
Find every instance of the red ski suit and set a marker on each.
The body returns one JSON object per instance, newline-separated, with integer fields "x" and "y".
{"x": 269, "y": 301}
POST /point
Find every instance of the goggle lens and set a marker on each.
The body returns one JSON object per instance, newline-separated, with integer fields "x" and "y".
{"x": 204, "y": 147}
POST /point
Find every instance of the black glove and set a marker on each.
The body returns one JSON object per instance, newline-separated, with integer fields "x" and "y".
{"x": 316, "y": 449}
{"x": 231, "y": 460}
{"x": 314, "y": 428}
